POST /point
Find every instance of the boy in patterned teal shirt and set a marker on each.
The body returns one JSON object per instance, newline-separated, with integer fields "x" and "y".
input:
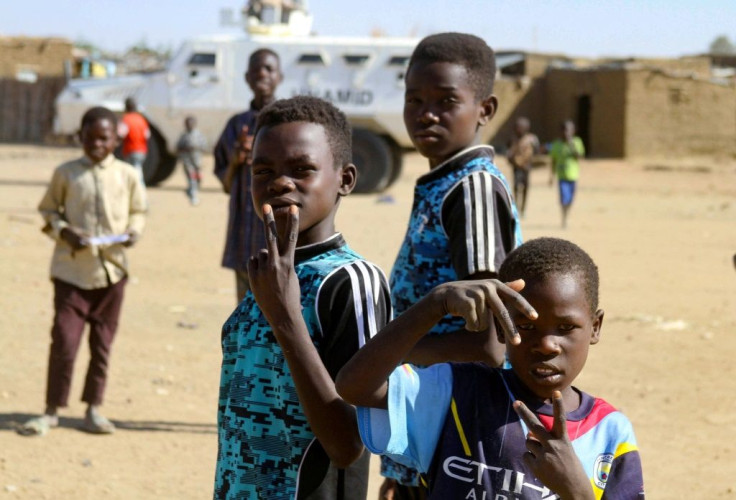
{"x": 283, "y": 431}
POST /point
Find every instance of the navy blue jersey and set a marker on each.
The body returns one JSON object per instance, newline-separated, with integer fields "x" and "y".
{"x": 456, "y": 424}
{"x": 463, "y": 222}
{"x": 266, "y": 448}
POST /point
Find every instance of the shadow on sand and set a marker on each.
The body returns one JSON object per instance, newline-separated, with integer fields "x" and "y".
{"x": 11, "y": 422}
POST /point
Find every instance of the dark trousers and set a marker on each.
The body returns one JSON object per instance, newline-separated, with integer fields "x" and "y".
{"x": 73, "y": 308}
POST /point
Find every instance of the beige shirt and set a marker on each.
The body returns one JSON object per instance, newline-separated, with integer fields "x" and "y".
{"x": 102, "y": 199}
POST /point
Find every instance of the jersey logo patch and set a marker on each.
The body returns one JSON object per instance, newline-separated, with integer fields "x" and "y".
{"x": 602, "y": 469}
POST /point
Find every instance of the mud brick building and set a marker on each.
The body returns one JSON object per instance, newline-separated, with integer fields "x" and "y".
{"x": 31, "y": 76}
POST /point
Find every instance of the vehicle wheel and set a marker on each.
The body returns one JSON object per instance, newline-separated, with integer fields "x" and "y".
{"x": 397, "y": 153}
{"x": 372, "y": 156}
{"x": 159, "y": 162}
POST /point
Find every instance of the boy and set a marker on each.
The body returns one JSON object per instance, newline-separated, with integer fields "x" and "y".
{"x": 189, "y": 147}
{"x": 522, "y": 148}
{"x": 93, "y": 208}
{"x": 455, "y": 423}
{"x": 565, "y": 152}
{"x": 232, "y": 154}
{"x": 283, "y": 430}
{"x": 134, "y": 131}
{"x": 463, "y": 221}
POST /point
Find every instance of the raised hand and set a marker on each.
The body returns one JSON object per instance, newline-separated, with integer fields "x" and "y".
{"x": 273, "y": 281}
{"x": 244, "y": 145}
{"x": 478, "y": 301}
{"x": 550, "y": 454}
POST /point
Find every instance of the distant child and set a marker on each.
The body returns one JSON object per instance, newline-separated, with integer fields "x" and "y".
{"x": 522, "y": 148}
{"x": 481, "y": 432}
{"x": 565, "y": 152}
{"x": 134, "y": 133}
{"x": 463, "y": 221}
{"x": 190, "y": 146}
{"x": 93, "y": 208}
{"x": 244, "y": 230}
{"x": 283, "y": 431}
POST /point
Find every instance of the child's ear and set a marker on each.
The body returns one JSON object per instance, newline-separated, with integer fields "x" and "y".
{"x": 488, "y": 108}
{"x": 348, "y": 176}
{"x": 595, "y": 335}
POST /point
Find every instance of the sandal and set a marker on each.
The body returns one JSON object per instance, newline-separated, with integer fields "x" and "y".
{"x": 39, "y": 426}
{"x": 97, "y": 424}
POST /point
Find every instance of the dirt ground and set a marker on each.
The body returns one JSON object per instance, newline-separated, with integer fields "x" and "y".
{"x": 663, "y": 233}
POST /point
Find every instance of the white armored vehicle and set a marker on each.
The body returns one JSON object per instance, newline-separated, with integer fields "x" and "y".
{"x": 362, "y": 76}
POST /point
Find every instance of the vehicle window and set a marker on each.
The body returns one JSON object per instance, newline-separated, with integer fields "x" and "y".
{"x": 356, "y": 59}
{"x": 202, "y": 59}
{"x": 398, "y": 60}
{"x": 312, "y": 59}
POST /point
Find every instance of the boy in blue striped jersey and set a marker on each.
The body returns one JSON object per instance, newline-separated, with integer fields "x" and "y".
{"x": 464, "y": 220}
{"x": 283, "y": 431}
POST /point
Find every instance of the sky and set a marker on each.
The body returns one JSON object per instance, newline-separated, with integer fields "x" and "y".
{"x": 588, "y": 28}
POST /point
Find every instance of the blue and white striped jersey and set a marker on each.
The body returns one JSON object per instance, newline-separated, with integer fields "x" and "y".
{"x": 266, "y": 448}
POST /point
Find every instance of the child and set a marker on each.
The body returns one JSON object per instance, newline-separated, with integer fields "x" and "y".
{"x": 463, "y": 221}
{"x": 455, "y": 423}
{"x": 135, "y": 133}
{"x": 522, "y": 148}
{"x": 244, "y": 230}
{"x": 189, "y": 147}
{"x": 91, "y": 199}
{"x": 283, "y": 432}
{"x": 565, "y": 152}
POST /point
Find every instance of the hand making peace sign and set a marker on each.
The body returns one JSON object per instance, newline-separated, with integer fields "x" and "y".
{"x": 273, "y": 281}
{"x": 550, "y": 454}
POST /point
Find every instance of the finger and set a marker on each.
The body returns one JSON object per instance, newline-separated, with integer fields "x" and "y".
{"x": 292, "y": 232}
{"x": 471, "y": 319}
{"x": 534, "y": 446}
{"x": 530, "y": 460}
{"x": 510, "y": 292}
{"x": 482, "y": 312}
{"x": 503, "y": 316}
{"x": 269, "y": 225}
{"x": 559, "y": 428}
{"x": 532, "y": 422}
{"x": 516, "y": 285}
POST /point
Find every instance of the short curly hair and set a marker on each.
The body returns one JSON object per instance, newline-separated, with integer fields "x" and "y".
{"x": 310, "y": 109}
{"x": 263, "y": 52}
{"x": 464, "y": 49}
{"x": 542, "y": 257}
{"x": 99, "y": 113}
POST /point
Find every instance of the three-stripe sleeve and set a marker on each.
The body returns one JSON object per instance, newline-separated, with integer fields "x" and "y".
{"x": 353, "y": 304}
{"x": 478, "y": 220}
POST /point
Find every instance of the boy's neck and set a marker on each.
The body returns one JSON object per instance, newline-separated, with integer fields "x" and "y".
{"x": 457, "y": 155}
{"x": 261, "y": 101}
{"x": 94, "y": 162}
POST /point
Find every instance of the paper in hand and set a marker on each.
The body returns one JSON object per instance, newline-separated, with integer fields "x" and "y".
{"x": 109, "y": 239}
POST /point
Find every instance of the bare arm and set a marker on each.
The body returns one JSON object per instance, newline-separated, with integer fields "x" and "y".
{"x": 363, "y": 380}
{"x": 276, "y": 289}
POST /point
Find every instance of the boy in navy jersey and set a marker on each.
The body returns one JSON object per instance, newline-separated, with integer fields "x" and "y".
{"x": 482, "y": 432}
{"x": 283, "y": 431}
{"x": 463, "y": 221}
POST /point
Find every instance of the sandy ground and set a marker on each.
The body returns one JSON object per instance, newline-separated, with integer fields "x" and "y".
{"x": 662, "y": 232}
